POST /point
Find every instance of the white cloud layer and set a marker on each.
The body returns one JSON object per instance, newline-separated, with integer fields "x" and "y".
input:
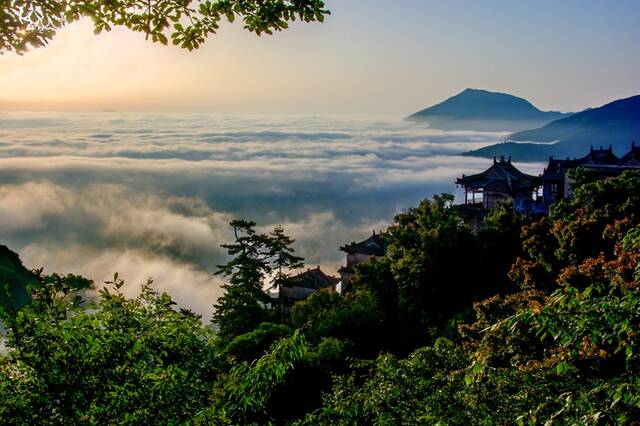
{"x": 152, "y": 195}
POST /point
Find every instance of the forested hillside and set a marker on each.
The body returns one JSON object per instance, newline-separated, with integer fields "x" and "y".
{"x": 525, "y": 322}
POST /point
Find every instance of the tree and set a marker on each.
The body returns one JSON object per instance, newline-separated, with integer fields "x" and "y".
{"x": 244, "y": 304}
{"x": 29, "y": 23}
{"x": 499, "y": 246}
{"x": 586, "y": 224}
{"x": 283, "y": 257}
{"x": 256, "y": 259}
{"x": 433, "y": 256}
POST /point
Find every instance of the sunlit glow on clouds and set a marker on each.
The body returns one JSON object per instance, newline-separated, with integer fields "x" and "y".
{"x": 152, "y": 195}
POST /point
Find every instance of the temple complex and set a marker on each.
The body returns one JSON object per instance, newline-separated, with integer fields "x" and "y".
{"x": 482, "y": 191}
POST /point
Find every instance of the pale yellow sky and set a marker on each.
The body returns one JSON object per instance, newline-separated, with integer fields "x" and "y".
{"x": 234, "y": 72}
{"x": 369, "y": 56}
{"x": 119, "y": 70}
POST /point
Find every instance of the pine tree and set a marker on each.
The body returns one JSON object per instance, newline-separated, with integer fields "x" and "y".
{"x": 283, "y": 259}
{"x": 244, "y": 304}
{"x": 256, "y": 257}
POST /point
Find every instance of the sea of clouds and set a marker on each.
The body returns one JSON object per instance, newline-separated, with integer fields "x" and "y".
{"x": 151, "y": 195}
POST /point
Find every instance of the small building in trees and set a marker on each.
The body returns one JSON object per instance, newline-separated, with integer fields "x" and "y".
{"x": 303, "y": 285}
{"x": 374, "y": 246}
{"x": 499, "y": 182}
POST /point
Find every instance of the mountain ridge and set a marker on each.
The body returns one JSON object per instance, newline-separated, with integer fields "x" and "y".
{"x": 483, "y": 110}
{"x": 616, "y": 123}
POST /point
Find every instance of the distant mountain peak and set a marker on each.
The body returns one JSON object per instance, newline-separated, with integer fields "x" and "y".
{"x": 480, "y": 109}
{"x": 472, "y": 91}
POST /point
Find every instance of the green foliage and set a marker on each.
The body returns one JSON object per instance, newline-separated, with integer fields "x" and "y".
{"x": 435, "y": 268}
{"x": 27, "y": 23}
{"x": 404, "y": 347}
{"x": 499, "y": 246}
{"x": 581, "y": 222}
{"x": 254, "y": 344}
{"x": 426, "y": 246}
{"x": 568, "y": 358}
{"x": 128, "y": 361}
{"x": 244, "y": 393}
{"x": 562, "y": 350}
{"x": 353, "y": 318}
{"x": 412, "y": 391}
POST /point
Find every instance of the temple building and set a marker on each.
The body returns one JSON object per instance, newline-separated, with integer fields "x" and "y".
{"x": 305, "y": 284}
{"x": 357, "y": 253}
{"x": 556, "y": 185}
{"x": 500, "y": 181}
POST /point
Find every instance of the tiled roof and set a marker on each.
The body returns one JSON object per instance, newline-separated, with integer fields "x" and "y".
{"x": 374, "y": 246}
{"x": 600, "y": 156}
{"x": 596, "y": 159}
{"x": 502, "y": 176}
{"x": 632, "y": 157}
{"x": 314, "y": 279}
{"x": 555, "y": 170}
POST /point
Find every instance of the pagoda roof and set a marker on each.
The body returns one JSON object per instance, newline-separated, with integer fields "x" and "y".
{"x": 314, "y": 279}
{"x": 374, "y": 246}
{"x": 600, "y": 156}
{"x": 596, "y": 159}
{"x": 631, "y": 158}
{"x": 502, "y": 176}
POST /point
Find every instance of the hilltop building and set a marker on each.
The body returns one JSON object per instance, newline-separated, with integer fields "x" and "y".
{"x": 502, "y": 180}
{"x": 357, "y": 253}
{"x": 304, "y": 284}
{"x": 557, "y": 185}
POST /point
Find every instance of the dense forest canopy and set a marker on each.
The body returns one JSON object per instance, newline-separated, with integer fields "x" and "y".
{"x": 528, "y": 321}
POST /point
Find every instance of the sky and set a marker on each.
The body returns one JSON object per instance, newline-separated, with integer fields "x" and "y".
{"x": 370, "y": 56}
